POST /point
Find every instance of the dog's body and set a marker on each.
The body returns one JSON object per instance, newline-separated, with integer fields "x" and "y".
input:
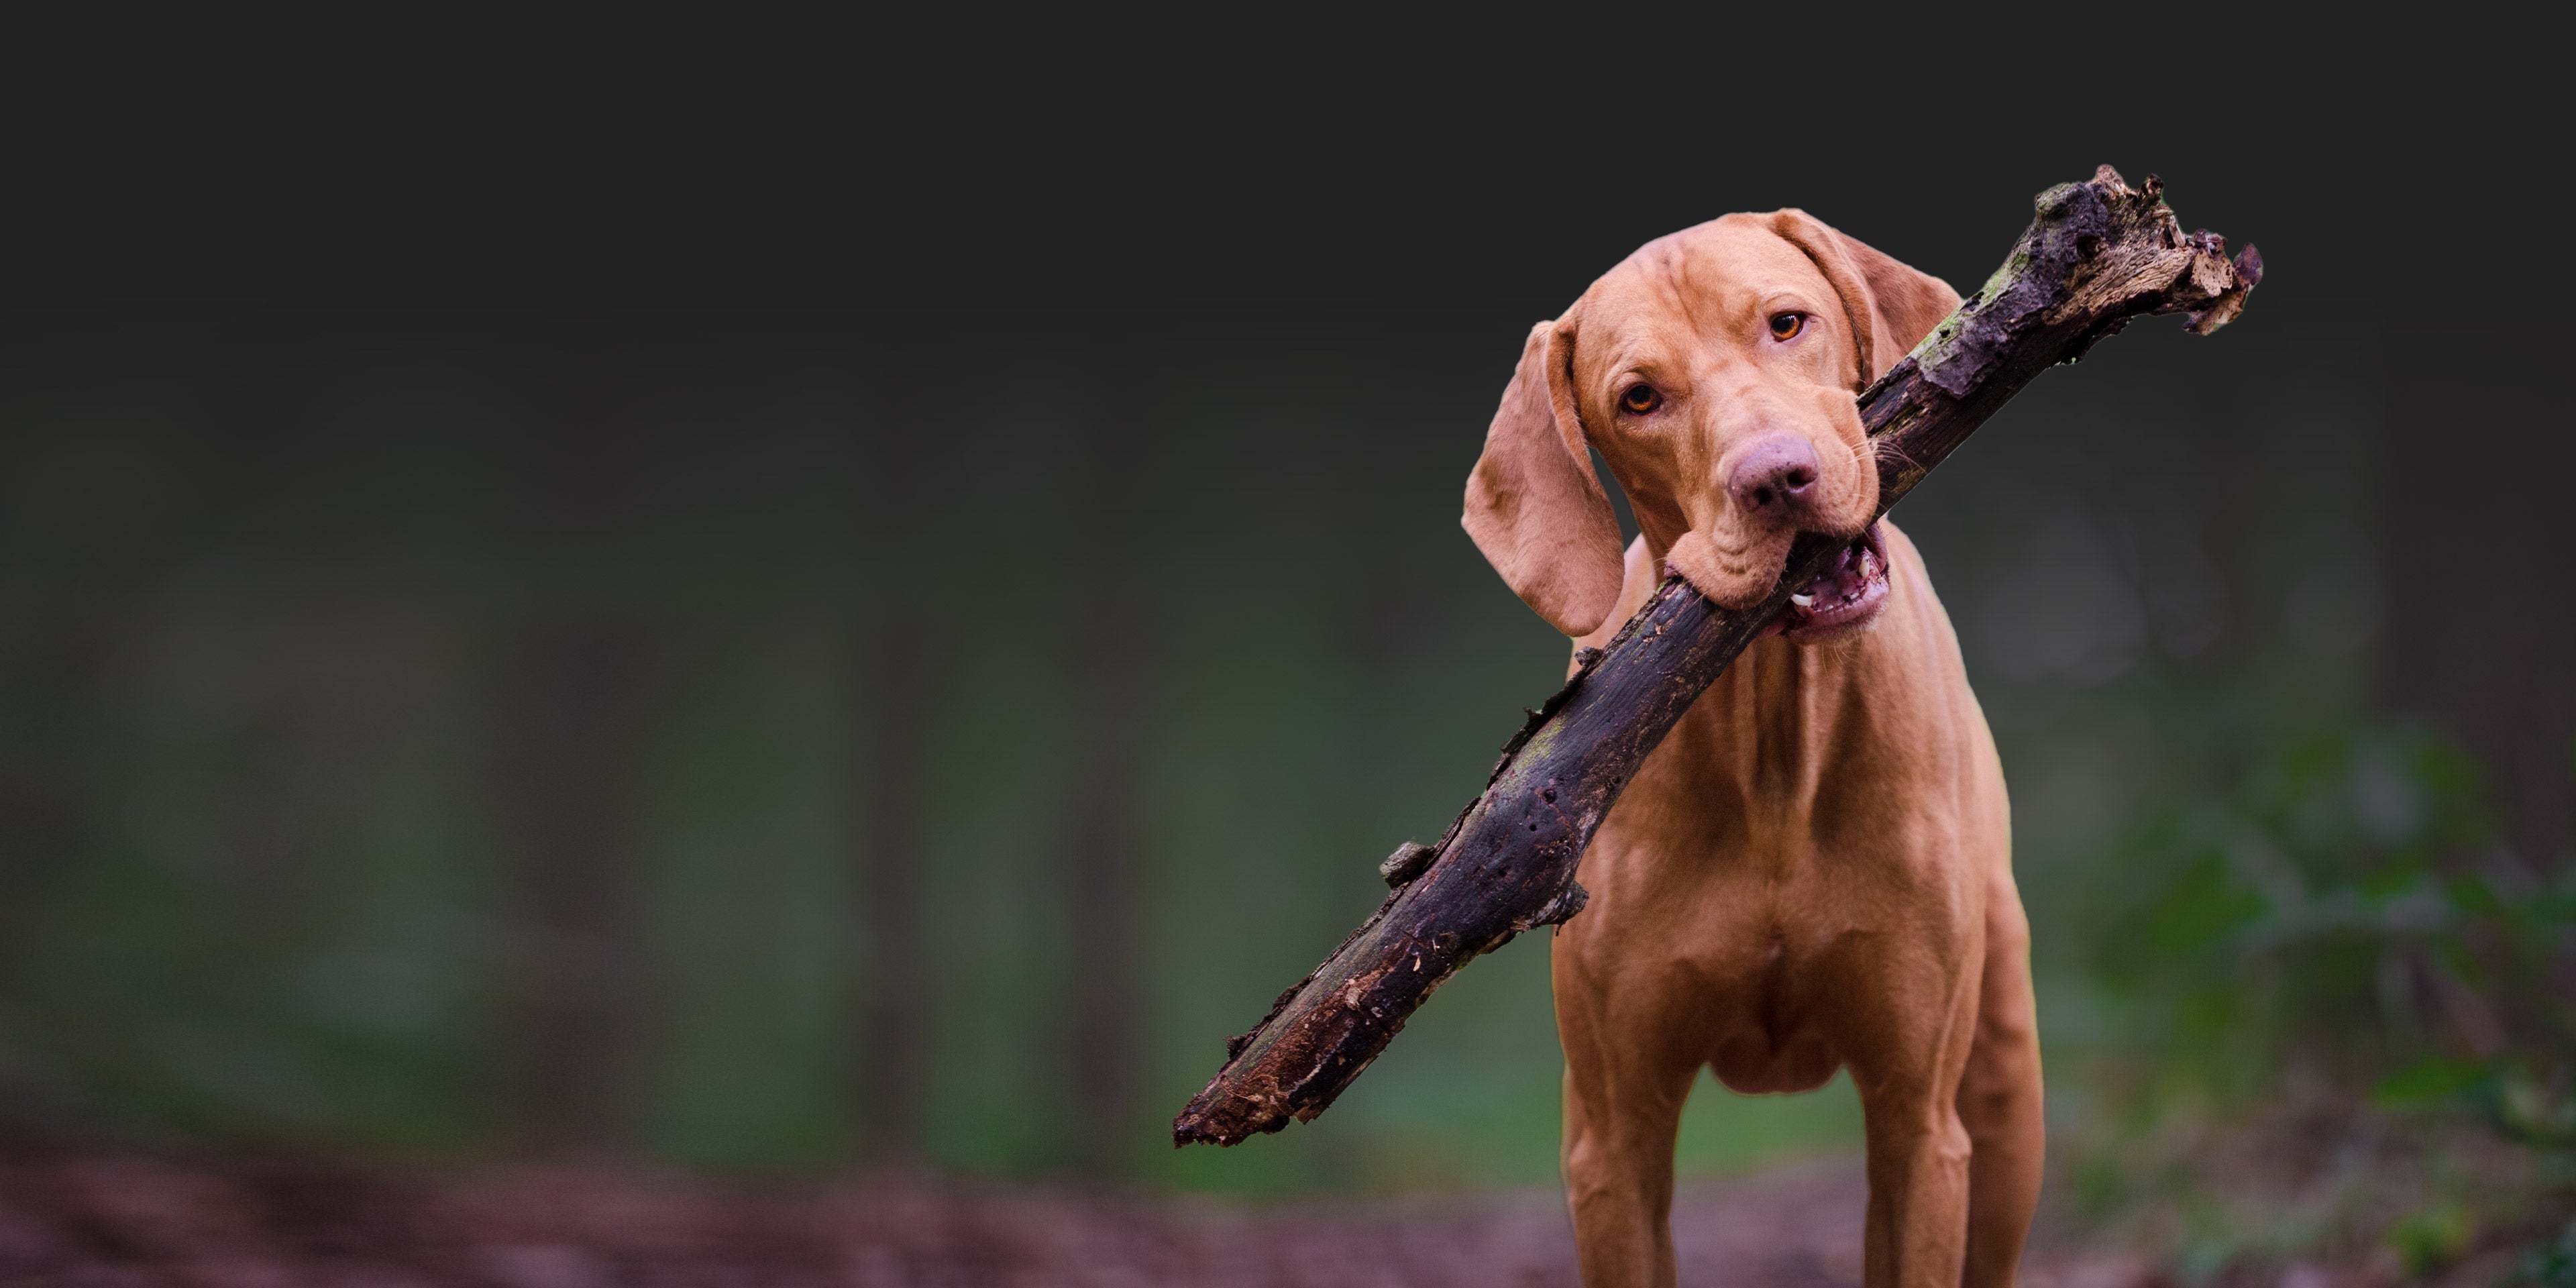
{"x": 1813, "y": 870}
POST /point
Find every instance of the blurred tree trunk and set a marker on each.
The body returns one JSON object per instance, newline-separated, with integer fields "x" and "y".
{"x": 1100, "y": 867}
{"x": 51, "y": 664}
{"x": 894, "y": 1020}
{"x": 2480, "y": 628}
{"x": 571, "y": 728}
{"x": 1101, "y": 890}
{"x": 83, "y": 568}
{"x": 897, "y": 722}
{"x": 572, "y": 773}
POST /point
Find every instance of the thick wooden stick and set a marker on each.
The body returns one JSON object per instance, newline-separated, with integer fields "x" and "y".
{"x": 2096, "y": 255}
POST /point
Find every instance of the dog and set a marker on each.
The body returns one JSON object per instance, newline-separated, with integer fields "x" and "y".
{"x": 1813, "y": 871}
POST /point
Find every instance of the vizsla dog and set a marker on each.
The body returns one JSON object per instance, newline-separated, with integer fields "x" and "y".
{"x": 1814, "y": 870}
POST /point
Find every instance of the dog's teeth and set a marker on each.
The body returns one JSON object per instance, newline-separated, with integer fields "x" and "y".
{"x": 1803, "y": 601}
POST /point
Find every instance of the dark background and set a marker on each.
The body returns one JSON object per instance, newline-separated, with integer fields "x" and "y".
{"x": 783, "y": 601}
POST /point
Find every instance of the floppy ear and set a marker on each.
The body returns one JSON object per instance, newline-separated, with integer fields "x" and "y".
{"x": 1891, "y": 307}
{"x": 1533, "y": 504}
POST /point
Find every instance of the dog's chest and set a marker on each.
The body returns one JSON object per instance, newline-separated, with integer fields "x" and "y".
{"x": 1744, "y": 875}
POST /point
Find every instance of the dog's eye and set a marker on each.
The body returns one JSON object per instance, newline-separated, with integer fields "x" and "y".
{"x": 1786, "y": 326}
{"x": 1640, "y": 399}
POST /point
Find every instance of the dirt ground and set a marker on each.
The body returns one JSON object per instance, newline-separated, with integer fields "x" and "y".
{"x": 133, "y": 1223}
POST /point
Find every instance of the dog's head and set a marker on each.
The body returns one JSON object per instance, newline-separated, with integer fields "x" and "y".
{"x": 1715, "y": 370}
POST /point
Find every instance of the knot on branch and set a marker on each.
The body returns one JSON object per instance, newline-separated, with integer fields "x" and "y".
{"x": 1556, "y": 911}
{"x": 1410, "y": 860}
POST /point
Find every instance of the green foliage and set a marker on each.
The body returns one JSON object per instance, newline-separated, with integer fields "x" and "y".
{"x": 2343, "y": 909}
{"x": 2430, "y": 1239}
{"x": 2331, "y": 1015}
{"x": 2553, "y": 1265}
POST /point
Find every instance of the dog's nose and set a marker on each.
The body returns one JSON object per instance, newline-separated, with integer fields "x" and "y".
{"x": 1775, "y": 476}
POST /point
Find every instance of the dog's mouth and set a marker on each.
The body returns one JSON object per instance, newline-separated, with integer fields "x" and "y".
{"x": 1841, "y": 599}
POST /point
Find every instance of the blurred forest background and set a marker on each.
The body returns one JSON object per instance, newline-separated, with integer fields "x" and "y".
{"x": 706, "y": 658}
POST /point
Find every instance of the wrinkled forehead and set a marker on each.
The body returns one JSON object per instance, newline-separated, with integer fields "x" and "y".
{"x": 1694, "y": 288}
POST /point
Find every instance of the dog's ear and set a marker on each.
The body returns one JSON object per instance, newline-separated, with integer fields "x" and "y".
{"x": 1892, "y": 307}
{"x": 1534, "y": 506}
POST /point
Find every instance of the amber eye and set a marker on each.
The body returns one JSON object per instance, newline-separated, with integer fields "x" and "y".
{"x": 1786, "y": 326}
{"x": 1640, "y": 399}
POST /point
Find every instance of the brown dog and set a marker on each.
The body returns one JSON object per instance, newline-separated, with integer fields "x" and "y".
{"x": 1814, "y": 870}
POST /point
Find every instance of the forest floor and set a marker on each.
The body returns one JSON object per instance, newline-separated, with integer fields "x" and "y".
{"x": 135, "y": 1223}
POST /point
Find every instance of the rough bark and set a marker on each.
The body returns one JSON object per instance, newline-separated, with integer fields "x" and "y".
{"x": 2096, "y": 254}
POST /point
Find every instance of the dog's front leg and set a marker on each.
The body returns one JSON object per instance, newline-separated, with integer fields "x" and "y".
{"x": 1999, "y": 1096}
{"x": 1918, "y": 1193}
{"x": 1618, "y": 1160}
{"x": 1919, "y": 1150}
{"x": 1623, "y": 1105}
